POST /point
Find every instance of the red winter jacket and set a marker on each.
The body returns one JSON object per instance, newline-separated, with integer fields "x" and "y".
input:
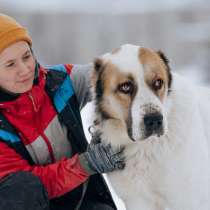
{"x": 35, "y": 119}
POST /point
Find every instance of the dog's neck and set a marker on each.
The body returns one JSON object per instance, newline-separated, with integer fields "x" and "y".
{"x": 110, "y": 131}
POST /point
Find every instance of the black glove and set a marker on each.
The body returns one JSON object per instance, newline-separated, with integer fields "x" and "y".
{"x": 101, "y": 158}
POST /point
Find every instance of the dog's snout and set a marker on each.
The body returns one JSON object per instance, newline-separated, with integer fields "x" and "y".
{"x": 153, "y": 123}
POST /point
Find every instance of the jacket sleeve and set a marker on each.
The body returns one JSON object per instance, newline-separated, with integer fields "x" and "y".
{"x": 80, "y": 76}
{"x": 58, "y": 178}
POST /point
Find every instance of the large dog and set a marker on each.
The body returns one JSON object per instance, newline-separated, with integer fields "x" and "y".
{"x": 164, "y": 123}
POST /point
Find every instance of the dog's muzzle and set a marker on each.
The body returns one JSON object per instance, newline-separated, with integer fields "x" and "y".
{"x": 153, "y": 123}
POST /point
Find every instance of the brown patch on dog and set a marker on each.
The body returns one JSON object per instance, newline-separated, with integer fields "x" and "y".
{"x": 154, "y": 69}
{"x": 166, "y": 61}
{"x": 112, "y": 78}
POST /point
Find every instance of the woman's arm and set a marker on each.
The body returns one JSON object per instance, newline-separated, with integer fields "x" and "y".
{"x": 80, "y": 76}
{"x": 58, "y": 178}
{"x": 66, "y": 174}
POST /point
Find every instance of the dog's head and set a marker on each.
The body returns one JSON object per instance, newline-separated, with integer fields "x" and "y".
{"x": 131, "y": 84}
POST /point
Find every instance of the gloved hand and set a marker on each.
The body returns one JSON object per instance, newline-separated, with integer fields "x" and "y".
{"x": 101, "y": 158}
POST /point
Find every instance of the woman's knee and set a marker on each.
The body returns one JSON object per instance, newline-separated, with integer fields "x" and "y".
{"x": 22, "y": 190}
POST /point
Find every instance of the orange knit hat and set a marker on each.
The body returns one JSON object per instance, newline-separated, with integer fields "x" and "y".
{"x": 11, "y": 31}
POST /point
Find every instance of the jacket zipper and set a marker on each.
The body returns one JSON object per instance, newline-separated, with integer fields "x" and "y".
{"x": 33, "y": 102}
{"x": 46, "y": 140}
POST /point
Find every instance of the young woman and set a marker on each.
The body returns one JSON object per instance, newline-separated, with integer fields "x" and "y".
{"x": 45, "y": 162}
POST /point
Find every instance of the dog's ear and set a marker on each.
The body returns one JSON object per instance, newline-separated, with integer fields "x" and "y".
{"x": 98, "y": 64}
{"x": 163, "y": 57}
{"x": 97, "y": 70}
{"x": 166, "y": 62}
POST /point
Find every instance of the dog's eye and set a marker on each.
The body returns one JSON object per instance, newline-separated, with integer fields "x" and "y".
{"x": 157, "y": 84}
{"x": 126, "y": 88}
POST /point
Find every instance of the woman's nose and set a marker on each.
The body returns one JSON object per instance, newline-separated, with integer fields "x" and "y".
{"x": 23, "y": 68}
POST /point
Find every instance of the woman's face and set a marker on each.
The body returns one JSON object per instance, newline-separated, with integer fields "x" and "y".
{"x": 17, "y": 66}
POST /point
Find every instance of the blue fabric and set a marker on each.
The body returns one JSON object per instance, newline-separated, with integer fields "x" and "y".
{"x": 65, "y": 91}
{"x": 7, "y": 136}
{"x": 62, "y": 95}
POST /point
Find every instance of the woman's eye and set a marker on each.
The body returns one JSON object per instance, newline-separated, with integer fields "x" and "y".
{"x": 126, "y": 88}
{"x": 9, "y": 65}
{"x": 157, "y": 84}
{"x": 27, "y": 56}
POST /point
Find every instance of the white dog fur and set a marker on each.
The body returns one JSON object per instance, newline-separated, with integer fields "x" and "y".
{"x": 167, "y": 171}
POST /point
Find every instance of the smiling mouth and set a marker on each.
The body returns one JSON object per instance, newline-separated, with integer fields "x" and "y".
{"x": 25, "y": 80}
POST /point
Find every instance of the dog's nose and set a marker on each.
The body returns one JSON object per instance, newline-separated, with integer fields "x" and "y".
{"x": 153, "y": 123}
